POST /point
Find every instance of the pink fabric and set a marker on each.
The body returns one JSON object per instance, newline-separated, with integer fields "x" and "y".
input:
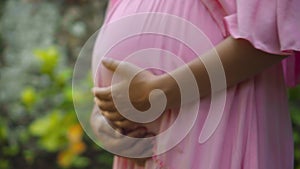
{"x": 271, "y": 26}
{"x": 255, "y": 130}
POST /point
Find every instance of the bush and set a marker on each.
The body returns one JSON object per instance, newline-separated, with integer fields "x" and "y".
{"x": 50, "y": 133}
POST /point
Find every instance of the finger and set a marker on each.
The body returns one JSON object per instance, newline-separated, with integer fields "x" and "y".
{"x": 103, "y": 93}
{"x": 149, "y": 135}
{"x": 106, "y": 131}
{"x": 113, "y": 116}
{"x": 125, "y": 143}
{"x": 112, "y": 139}
{"x": 105, "y": 105}
{"x": 124, "y": 68}
{"x": 110, "y": 64}
{"x": 138, "y": 132}
{"x": 126, "y": 124}
{"x": 115, "y": 144}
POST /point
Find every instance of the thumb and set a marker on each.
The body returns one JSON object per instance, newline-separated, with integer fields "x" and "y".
{"x": 110, "y": 64}
{"x": 123, "y": 68}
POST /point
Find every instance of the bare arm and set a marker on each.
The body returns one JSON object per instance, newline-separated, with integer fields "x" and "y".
{"x": 240, "y": 61}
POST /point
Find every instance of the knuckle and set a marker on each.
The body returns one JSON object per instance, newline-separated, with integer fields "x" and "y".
{"x": 117, "y": 124}
{"x": 101, "y": 103}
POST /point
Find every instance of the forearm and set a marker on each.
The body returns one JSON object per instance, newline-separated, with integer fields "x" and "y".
{"x": 240, "y": 61}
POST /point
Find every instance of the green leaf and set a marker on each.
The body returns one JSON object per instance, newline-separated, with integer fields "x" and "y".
{"x": 48, "y": 58}
{"x": 4, "y": 164}
{"x": 40, "y": 127}
{"x": 28, "y": 96}
{"x": 63, "y": 77}
{"x": 3, "y": 132}
{"x": 11, "y": 150}
{"x": 52, "y": 142}
{"x": 296, "y": 137}
{"x": 80, "y": 162}
{"x": 29, "y": 156}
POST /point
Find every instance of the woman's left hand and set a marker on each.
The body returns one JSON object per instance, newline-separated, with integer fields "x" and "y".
{"x": 139, "y": 87}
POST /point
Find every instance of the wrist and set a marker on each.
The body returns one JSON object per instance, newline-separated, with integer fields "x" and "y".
{"x": 168, "y": 85}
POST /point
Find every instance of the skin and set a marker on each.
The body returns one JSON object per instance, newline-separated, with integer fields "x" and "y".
{"x": 103, "y": 132}
{"x": 240, "y": 60}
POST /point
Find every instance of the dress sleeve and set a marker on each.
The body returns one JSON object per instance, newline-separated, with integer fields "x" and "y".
{"x": 271, "y": 26}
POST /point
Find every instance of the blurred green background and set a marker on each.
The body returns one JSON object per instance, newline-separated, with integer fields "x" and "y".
{"x": 39, "y": 43}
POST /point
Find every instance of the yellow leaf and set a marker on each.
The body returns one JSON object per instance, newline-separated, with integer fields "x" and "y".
{"x": 28, "y": 96}
{"x": 75, "y": 133}
{"x": 77, "y": 147}
{"x": 65, "y": 158}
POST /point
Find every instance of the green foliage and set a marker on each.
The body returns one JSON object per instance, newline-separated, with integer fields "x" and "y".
{"x": 28, "y": 97}
{"x": 51, "y": 132}
{"x": 294, "y": 98}
{"x": 3, "y": 131}
{"x": 80, "y": 162}
{"x": 48, "y": 59}
{"x": 38, "y": 125}
{"x": 50, "y": 125}
{"x": 52, "y": 128}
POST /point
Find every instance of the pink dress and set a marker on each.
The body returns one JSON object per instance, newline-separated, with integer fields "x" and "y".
{"x": 255, "y": 131}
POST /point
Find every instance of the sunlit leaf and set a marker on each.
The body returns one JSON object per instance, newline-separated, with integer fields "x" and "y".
{"x": 29, "y": 96}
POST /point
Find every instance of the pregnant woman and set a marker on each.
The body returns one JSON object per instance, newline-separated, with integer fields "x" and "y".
{"x": 258, "y": 43}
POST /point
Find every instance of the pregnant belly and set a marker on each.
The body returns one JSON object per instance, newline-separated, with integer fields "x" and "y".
{"x": 192, "y": 11}
{"x": 153, "y": 49}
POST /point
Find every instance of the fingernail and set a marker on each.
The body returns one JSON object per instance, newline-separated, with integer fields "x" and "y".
{"x": 94, "y": 90}
{"x": 95, "y": 100}
{"x": 106, "y": 60}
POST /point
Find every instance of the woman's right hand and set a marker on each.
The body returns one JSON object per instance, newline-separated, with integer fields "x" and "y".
{"x": 119, "y": 122}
